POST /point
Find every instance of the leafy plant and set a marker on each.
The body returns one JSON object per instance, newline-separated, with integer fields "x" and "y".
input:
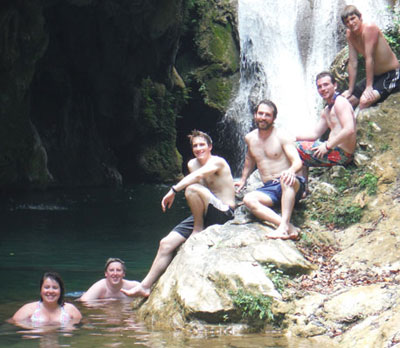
{"x": 369, "y": 182}
{"x": 255, "y": 308}
{"x": 278, "y": 278}
{"x": 345, "y": 215}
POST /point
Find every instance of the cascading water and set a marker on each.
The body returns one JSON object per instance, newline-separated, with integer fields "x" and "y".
{"x": 284, "y": 44}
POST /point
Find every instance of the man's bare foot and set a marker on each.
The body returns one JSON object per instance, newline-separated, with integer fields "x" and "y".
{"x": 277, "y": 235}
{"x": 284, "y": 233}
{"x": 137, "y": 291}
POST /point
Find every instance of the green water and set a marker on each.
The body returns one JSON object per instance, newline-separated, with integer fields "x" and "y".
{"x": 74, "y": 232}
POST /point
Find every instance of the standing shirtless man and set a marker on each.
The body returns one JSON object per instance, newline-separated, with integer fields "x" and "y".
{"x": 210, "y": 194}
{"x": 381, "y": 64}
{"x": 278, "y": 163}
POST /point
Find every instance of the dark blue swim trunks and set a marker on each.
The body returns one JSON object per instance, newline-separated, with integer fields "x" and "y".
{"x": 273, "y": 189}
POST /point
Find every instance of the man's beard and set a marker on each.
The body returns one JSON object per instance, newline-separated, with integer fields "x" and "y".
{"x": 268, "y": 125}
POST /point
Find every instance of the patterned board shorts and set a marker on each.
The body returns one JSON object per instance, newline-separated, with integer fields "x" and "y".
{"x": 335, "y": 156}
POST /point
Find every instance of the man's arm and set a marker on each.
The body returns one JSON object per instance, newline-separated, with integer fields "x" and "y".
{"x": 96, "y": 291}
{"x": 351, "y": 68}
{"x": 344, "y": 112}
{"x": 196, "y": 175}
{"x": 315, "y": 133}
{"x": 249, "y": 165}
{"x": 370, "y": 36}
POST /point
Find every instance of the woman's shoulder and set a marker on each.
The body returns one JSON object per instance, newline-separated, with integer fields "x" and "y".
{"x": 25, "y": 311}
{"x": 72, "y": 310}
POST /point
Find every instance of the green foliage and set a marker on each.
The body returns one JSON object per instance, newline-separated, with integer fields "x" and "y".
{"x": 385, "y": 147}
{"x": 343, "y": 182}
{"x": 369, "y": 182}
{"x": 278, "y": 278}
{"x": 255, "y": 309}
{"x": 392, "y": 31}
{"x": 345, "y": 215}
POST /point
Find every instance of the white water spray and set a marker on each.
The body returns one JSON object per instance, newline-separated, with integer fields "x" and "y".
{"x": 284, "y": 45}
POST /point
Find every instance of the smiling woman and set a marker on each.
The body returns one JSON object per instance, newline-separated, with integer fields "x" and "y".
{"x": 51, "y": 308}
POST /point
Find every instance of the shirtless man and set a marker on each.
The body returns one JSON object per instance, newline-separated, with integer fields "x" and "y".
{"x": 278, "y": 163}
{"x": 381, "y": 64}
{"x": 338, "y": 116}
{"x": 210, "y": 194}
{"x": 110, "y": 286}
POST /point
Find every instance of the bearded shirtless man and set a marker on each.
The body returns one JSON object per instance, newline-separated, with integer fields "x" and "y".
{"x": 381, "y": 64}
{"x": 278, "y": 162}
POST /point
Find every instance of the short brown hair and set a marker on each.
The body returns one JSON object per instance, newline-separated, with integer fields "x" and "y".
{"x": 114, "y": 259}
{"x": 268, "y": 103}
{"x": 196, "y": 133}
{"x": 349, "y": 10}
{"x": 324, "y": 74}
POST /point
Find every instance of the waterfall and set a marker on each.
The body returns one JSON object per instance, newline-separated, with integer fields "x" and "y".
{"x": 284, "y": 44}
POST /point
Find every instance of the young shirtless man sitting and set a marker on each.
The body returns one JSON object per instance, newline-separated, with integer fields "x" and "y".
{"x": 381, "y": 64}
{"x": 112, "y": 283}
{"x": 210, "y": 194}
{"x": 338, "y": 117}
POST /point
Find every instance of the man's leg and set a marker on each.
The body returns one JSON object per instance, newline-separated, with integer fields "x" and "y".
{"x": 367, "y": 102}
{"x": 286, "y": 230}
{"x": 259, "y": 204}
{"x": 162, "y": 260}
{"x": 198, "y": 197}
{"x": 354, "y": 101}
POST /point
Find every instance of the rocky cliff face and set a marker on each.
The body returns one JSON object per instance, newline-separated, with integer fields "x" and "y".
{"x": 343, "y": 276}
{"x": 90, "y": 93}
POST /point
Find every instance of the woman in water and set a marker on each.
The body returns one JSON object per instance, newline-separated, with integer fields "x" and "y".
{"x": 51, "y": 308}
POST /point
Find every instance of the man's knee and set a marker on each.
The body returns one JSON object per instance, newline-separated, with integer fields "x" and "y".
{"x": 166, "y": 245}
{"x": 194, "y": 190}
{"x": 365, "y": 103}
{"x": 250, "y": 200}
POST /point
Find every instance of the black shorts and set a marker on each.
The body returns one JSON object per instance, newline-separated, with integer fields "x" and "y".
{"x": 214, "y": 216}
{"x": 385, "y": 84}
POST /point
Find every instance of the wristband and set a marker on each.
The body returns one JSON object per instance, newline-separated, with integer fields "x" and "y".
{"x": 173, "y": 189}
{"x": 326, "y": 145}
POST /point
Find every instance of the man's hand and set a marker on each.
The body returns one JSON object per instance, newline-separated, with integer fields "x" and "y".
{"x": 167, "y": 200}
{"x": 347, "y": 94}
{"x": 368, "y": 94}
{"x": 239, "y": 186}
{"x": 320, "y": 150}
{"x": 288, "y": 177}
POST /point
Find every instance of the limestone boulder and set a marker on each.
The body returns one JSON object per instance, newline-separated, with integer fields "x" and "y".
{"x": 213, "y": 264}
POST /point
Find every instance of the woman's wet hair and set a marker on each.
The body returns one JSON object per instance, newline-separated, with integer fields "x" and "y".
{"x": 196, "y": 133}
{"x": 56, "y": 277}
{"x": 268, "y": 103}
{"x": 349, "y": 11}
{"x": 114, "y": 259}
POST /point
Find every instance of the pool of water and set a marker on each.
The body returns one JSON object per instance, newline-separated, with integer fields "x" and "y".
{"x": 73, "y": 233}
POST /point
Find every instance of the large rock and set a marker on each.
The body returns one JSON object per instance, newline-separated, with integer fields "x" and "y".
{"x": 198, "y": 284}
